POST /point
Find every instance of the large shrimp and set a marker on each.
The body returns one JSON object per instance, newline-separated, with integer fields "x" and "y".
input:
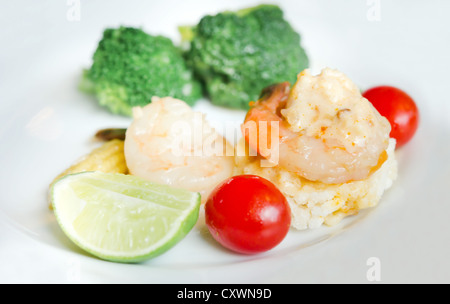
{"x": 169, "y": 143}
{"x": 327, "y": 131}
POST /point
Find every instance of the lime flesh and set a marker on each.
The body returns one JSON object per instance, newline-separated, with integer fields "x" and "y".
{"x": 122, "y": 218}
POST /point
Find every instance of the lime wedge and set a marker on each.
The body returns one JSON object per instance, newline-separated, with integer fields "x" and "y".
{"x": 122, "y": 218}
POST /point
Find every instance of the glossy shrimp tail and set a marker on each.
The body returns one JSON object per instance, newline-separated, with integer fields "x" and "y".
{"x": 264, "y": 126}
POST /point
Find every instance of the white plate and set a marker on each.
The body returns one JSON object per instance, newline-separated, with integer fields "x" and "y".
{"x": 46, "y": 123}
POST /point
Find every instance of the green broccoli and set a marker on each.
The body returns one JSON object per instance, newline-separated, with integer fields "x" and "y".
{"x": 130, "y": 66}
{"x": 236, "y": 54}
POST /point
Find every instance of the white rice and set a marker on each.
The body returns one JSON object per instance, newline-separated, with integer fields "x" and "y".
{"x": 315, "y": 203}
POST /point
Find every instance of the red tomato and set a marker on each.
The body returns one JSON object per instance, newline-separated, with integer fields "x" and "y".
{"x": 247, "y": 214}
{"x": 399, "y": 108}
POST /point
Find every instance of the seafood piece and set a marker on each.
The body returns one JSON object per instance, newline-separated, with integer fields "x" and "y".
{"x": 327, "y": 131}
{"x": 169, "y": 143}
{"x": 314, "y": 204}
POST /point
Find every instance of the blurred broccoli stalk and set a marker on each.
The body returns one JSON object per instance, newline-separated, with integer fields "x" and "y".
{"x": 236, "y": 54}
{"x": 130, "y": 66}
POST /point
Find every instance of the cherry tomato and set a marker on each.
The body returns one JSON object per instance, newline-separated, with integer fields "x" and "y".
{"x": 399, "y": 108}
{"x": 247, "y": 214}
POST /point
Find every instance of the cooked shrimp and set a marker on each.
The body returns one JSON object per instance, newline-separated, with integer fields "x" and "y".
{"x": 169, "y": 143}
{"x": 327, "y": 131}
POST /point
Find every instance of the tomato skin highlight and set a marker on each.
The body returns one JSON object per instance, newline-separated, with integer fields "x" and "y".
{"x": 247, "y": 214}
{"x": 399, "y": 109}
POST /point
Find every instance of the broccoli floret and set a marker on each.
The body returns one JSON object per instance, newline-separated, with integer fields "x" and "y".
{"x": 236, "y": 54}
{"x": 130, "y": 66}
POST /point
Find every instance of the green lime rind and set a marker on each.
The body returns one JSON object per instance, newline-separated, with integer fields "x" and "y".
{"x": 122, "y": 218}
